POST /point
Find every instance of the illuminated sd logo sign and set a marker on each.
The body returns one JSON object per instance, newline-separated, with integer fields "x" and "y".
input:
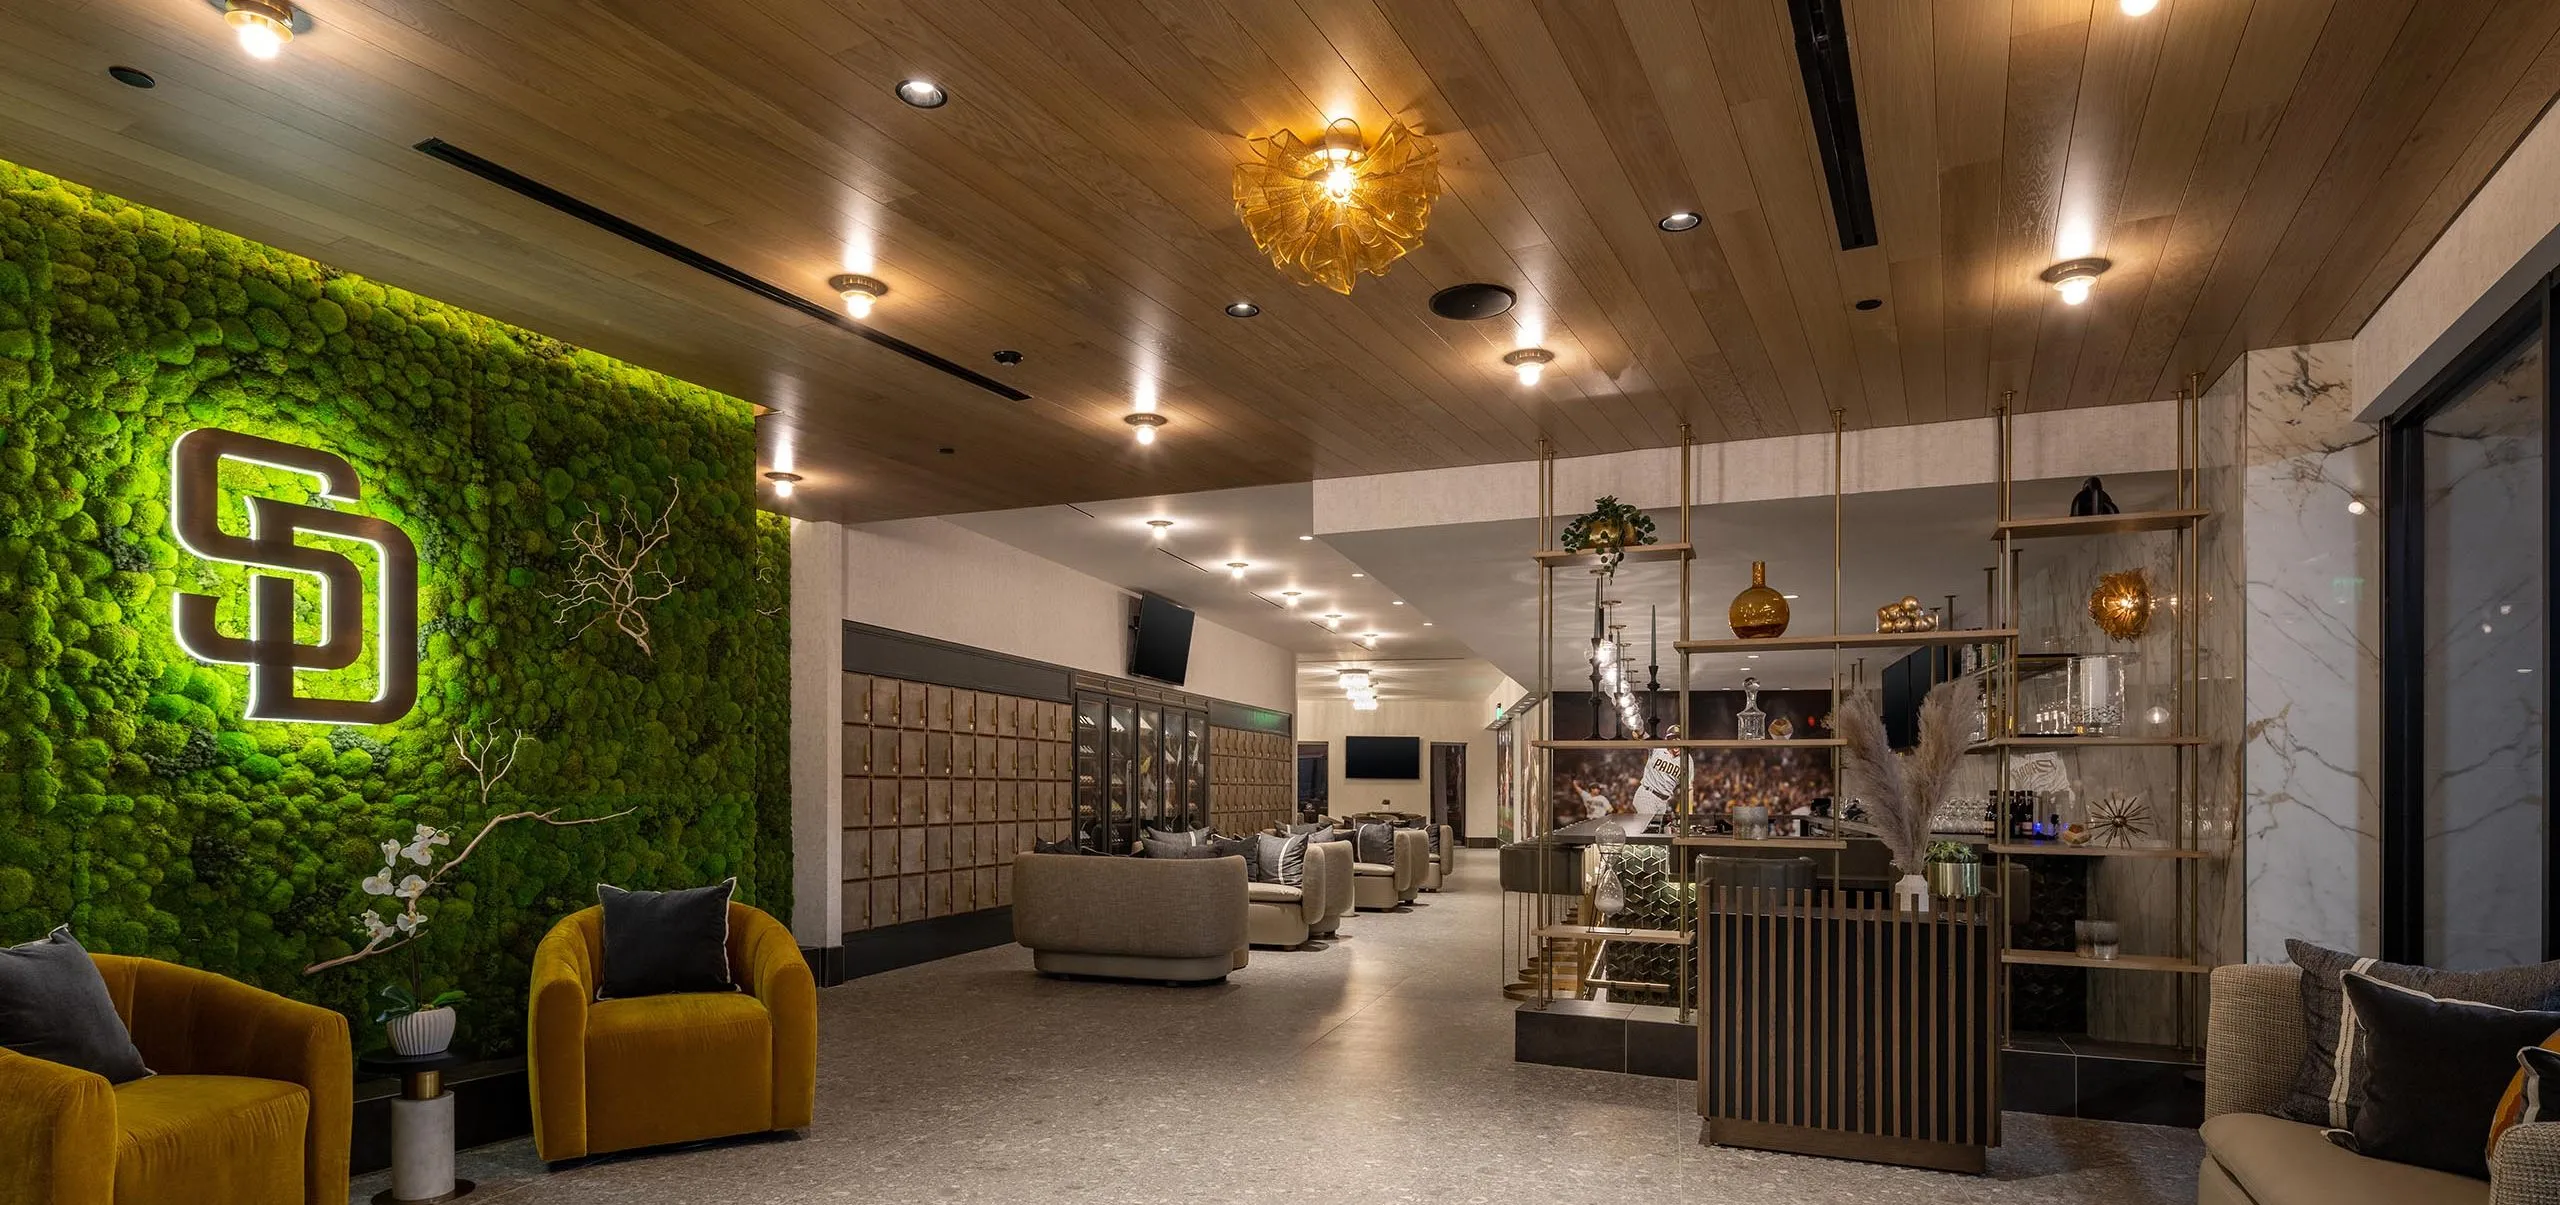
{"x": 269, "y": 650}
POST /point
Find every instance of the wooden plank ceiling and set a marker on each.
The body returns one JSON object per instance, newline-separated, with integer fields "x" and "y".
{"x": 2262, "y": 172}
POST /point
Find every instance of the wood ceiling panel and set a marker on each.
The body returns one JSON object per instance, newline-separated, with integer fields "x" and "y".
{"x": 2259, "y": 171}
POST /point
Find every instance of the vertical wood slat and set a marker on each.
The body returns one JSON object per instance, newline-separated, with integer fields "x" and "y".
{"x": 1831, "y": 1014}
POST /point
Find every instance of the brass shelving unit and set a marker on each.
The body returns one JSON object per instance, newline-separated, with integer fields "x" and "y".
{"x": 2181, "y": 522}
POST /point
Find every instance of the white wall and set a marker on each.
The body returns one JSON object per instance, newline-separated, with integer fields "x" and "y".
{"x": 933, "y": 578}
{"x": 2506, "y": 237}
{"x": 1442, "y": 722}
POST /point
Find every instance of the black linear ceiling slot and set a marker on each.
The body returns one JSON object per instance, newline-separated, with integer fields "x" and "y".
{"x": 1822, "y": 56}
{"x": 526, "y": 186}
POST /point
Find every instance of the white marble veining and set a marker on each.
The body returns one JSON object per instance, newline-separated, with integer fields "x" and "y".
{"x": 2313, "y": 670}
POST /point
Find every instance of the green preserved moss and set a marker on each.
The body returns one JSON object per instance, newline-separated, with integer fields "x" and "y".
{"x": 136, "y": 804}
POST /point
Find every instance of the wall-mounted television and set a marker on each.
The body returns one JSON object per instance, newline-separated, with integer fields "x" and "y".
{"x": 1160, "y": 640}
{"x": 1382, "y": 757}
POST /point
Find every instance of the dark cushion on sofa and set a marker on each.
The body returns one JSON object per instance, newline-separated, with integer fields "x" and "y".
{"x": 2435, "y": 1071}
{"x": 54, "y": 1006}
{"x": 658, "y": 942}
{"x": 2329, "y": 1088}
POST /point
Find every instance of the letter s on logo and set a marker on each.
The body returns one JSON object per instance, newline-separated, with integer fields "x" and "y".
{"x": 269, "y": 650}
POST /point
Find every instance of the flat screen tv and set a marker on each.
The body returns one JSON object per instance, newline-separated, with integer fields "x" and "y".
{"x": 1382, "y": 757}
{"x": 1160, "y": 640}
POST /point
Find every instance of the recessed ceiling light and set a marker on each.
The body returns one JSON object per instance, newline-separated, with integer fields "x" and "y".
{"x": 1146, "y": 422}
{"x": 782, "y": 482}
{"x": 1235, "y": 569}
{"x": 923, "y": 93}
{"x": 132, "y": 77}
{"x": 1008, "y": 356}
{"x": 948, "y": 451}
{"x": 1426, "y": 623}
{"x": 1306, "y": 537}
{"x": 2137, "y": 8}
{"x": 1677, "y": 222}
{"x": 1870, "y": 303}
{"x": 1242, "y": 309}
{"x": 1529, "y": 362}
{"x": 1359, "y": 575}
{"x": 1471, "y": 302}
{"x": 1396, "y": 603}
{"x": 859, "y": 292}
{"x": 1160, "y": 525}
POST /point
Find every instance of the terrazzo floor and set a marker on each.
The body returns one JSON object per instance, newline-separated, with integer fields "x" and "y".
{"x": 1376, "y": 1069}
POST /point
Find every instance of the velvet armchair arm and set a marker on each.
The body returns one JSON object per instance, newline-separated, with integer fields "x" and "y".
{"x": 192, "y": 1022}
{"x": 766, "y": 962}
{"x": 57, "y": 1134}
{"x": 556, "y": 1033}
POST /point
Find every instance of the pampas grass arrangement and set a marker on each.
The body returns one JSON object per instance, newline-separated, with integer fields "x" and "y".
{"x": 1901, "y": 793}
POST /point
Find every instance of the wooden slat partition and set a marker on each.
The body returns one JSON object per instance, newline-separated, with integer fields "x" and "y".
{"x": 1831, "y": 1024}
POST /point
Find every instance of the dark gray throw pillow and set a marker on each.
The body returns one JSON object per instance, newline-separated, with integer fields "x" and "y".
{"x": 1247, "y": 848}
{"x": 54, "y": 1006}
{"x": 1328, "y": 833}
{"x": 2435, "y": 1070}
{"x": 2329, "y": 1088}
{"x": 1376, "y": 843}
{"x": 659, "y": 942}
{"x": 1283, "y": 859}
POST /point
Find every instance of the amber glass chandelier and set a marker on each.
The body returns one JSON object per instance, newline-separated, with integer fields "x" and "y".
{"x": 1328, "y": 210}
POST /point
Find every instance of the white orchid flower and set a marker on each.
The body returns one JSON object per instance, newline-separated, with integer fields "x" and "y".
{"x": 411, "y": 922}
{"x": 379, "y": 884}
{"x": 372, "y": 925}
{"x": 390, "y": 853}
{"x": 411, "y": 888}
{"x": 420, "y": 848}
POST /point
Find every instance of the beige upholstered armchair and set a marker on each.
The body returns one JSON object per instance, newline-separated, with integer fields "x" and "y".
{"x": 1278, "y": 914}
{"x": 1378, "y": 886}
{"x": 2253, "y": 1045}
{"x": 1336, "y": 855}
{"x": 1443, "y": 862}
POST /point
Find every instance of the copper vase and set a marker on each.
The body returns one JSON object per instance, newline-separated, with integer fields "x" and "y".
{"x": 1758, "y": 612}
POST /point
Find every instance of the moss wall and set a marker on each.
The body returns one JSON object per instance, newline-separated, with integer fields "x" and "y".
{"x": 134, "y": 801}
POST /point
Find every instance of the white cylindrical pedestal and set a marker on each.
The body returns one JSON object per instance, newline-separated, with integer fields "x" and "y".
{"x": 422, "y": 1148}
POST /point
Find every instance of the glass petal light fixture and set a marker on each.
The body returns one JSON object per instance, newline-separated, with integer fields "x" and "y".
{"x": 1326, "y": 211}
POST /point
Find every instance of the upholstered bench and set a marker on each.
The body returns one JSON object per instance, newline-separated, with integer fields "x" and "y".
{"x": 1176, "y": 920}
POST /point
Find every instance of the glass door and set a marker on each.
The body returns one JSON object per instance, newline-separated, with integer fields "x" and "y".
{"x": 1092, "y": 763}
{"x": 1124, "y": 765}
{"x": 2468, "y": 841}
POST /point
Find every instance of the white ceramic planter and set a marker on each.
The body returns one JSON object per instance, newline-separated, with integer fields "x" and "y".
{"x": 425, "y": 1032}
{"x": 1911, "y": 894}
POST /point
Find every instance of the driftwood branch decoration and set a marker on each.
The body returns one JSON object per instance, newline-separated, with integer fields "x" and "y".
{"x": 612, "y": 577}
{"x": 483, "y": 753}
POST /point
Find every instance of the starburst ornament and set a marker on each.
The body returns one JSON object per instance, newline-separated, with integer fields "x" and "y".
{"x": 1326, "y": 211}
{"x": 2118, "y": 820}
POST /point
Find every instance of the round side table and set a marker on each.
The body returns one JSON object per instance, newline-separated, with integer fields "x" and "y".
{"x": 421, "y": 1128}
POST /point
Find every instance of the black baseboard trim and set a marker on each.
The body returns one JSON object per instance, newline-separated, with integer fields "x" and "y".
{"x": 826, "y": 964}
{"x": 493, "y": 1102}
{"x": 890, "y": 947}
{"x": 1482, "y": 843}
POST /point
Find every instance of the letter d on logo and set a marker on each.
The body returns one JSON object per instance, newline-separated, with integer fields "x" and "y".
{"x": 269, "y": 650}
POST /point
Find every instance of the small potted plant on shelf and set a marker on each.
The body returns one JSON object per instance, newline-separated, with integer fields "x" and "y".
{"x": 1609, "y": 529}
{"x": 1955, "y": 870}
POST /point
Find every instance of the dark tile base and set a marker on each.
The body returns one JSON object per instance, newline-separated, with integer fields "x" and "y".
{"x": 891, "y": 947}
{"x": 1632, "y": 1039}
{"x": 2064, "y": 1075}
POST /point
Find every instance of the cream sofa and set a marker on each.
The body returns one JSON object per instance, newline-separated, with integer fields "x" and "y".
{"x": 1178, "y": 920}
{"x": 1338, "y": 890}
{"x": 2253, "y": 1044}
{"x": 1278, "y": 914}
{"x": 1379, "y": 886}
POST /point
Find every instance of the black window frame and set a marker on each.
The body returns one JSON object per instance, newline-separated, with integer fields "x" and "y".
{"x": 2404, "y": 624}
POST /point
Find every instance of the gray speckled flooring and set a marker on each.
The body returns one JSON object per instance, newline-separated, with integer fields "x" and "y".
{"x": 1377, "y": 1069}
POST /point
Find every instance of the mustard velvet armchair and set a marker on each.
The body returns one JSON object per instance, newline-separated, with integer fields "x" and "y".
{"x": 251, "y": 1105}
{"x": 615, "y": 1075}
